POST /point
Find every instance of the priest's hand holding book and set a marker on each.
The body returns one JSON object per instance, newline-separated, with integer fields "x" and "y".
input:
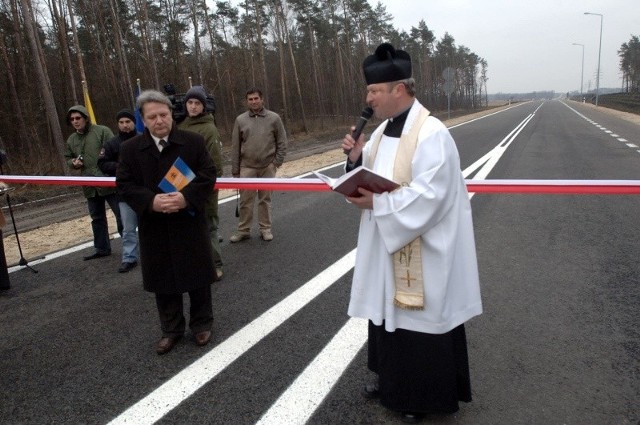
{"x": 364, "y": 201}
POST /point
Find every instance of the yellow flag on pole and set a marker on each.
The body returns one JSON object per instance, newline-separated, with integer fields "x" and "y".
{"x": 87, "y": 102}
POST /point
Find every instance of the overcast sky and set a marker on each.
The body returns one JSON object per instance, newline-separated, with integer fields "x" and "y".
{"x": 528, "y": 43}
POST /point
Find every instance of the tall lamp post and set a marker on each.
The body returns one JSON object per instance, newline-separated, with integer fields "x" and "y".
{"x": 599, "y": 51}
{"x": 582, "y": 73}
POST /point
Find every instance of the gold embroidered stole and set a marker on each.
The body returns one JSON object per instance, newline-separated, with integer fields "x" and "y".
{"x": 407, "y": 261}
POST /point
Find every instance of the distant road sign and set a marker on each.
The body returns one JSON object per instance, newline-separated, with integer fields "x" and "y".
{"x": 449, "y": 74}
{"x": 448, "y": 86}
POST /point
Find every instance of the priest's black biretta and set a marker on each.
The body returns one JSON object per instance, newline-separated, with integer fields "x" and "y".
{"x": 387, "y": 64}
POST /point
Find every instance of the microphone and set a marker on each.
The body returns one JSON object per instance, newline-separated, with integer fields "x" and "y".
{"x": 362, "y": 121}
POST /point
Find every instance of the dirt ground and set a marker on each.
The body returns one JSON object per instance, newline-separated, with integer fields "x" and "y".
{"x": 59, "y": 236}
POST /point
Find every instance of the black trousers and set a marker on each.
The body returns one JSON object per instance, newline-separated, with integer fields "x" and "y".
{"x": 420, "y": 372}
{"x": 170, "y": 310}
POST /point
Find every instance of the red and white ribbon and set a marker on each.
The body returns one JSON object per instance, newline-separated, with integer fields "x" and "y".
{"x": 566, "y": 187}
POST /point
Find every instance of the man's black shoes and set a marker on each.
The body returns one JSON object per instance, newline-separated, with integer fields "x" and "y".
{"x": 126, "y": 267}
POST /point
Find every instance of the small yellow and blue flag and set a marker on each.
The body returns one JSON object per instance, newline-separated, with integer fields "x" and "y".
{"x": 178, "y": 176}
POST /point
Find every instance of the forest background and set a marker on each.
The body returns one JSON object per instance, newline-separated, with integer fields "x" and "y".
{"x": 305, "y": 55}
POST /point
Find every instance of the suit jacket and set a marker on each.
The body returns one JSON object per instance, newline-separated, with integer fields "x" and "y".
{"x": 175, "y": 250}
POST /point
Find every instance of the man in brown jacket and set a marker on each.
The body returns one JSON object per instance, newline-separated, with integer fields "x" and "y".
{"x": 259, "y": 144}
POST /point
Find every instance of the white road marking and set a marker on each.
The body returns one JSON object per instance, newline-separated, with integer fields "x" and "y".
{"x": 611, "y": 133}
{"x": 306, "y": 393}
{"x": 177, "y": 389}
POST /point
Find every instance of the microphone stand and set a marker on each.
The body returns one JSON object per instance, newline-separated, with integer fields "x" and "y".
{"x": 23, "y": 261}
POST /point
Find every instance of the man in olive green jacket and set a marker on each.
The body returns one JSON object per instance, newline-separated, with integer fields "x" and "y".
{"x": 82, "y": 151}
{"x": 199, "y": 121}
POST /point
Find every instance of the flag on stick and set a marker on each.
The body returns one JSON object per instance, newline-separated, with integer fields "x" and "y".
{"x": 87, "y": 102}
{"x": 138, "y": 115}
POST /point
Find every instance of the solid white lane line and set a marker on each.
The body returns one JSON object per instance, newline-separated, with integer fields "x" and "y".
{"x": 177, "y": 389}
{"x": 488, "y": 161}
{"x": 488, "y": 115}
{"x": 486, "y": 157}
{"x": 306, "y": 393}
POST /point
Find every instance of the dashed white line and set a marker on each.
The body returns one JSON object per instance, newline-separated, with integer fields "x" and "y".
{"x": 611, "y": 133}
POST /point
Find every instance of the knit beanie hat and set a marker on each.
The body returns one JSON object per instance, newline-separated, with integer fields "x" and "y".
{"x": 196, "y": 92}
{"x": 125, "y": 113}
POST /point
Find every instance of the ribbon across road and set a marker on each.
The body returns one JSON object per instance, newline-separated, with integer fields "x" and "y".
{"x": 561, "y": 187}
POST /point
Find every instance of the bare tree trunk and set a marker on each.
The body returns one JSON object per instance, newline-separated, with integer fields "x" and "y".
{"x": 64, "y": 46}
{"x": 265, "y": 83}
{"x": 126, "y": 81}
{"x": 101, "y": 44}
{"x": 196, "y": 39}
{"x": 44, "y": 85}
{"x": 76, "y": 42}
{"x": 216, "y": 66}
{"x": 17, "y": 33}
{"x": 293, "y": 62}
{"x": 283, "y": 80}
{"x": 143, "y": 10}
{"x": 23, "y": 133}
{"x": 314, "y": 64}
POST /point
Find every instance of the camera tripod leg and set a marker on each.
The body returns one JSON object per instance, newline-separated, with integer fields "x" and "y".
{"x": 4, "y": 270}
{"x": 22, "y": 262}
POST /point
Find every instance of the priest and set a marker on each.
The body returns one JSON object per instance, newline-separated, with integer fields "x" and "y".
{"x": 416, "y": 274}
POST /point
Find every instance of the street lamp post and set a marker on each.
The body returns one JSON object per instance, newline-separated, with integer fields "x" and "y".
{"x": 599, "y": 51}
{"x": 581, "y": 73}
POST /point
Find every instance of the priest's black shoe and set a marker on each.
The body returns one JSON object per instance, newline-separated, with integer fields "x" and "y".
{"x": 411, "y": 418}
{"x": 125, "y": 267}
{"x": 371, "y": 391}
{"x": 96, "y": 255}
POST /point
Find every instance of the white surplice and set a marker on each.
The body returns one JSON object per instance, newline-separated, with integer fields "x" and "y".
{"x": 436, "y": 206}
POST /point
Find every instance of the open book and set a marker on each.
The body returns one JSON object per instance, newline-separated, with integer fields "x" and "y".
{"x": 361, "y": 176}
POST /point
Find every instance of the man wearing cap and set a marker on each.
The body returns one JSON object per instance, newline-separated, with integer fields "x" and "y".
{"x": 108, "y": 163}
{"x": 416, "y": 276}
{"x": 202, "y": 122}
{"x": 258, "y": 148}
{"x": 82, "y": 151}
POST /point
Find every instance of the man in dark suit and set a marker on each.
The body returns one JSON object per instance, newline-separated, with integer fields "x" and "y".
{"x": 175, "y": 251}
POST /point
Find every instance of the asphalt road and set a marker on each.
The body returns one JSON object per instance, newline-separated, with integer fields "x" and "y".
{"x": 558, "y": 342}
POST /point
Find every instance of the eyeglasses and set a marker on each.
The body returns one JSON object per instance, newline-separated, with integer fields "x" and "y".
{"x": 75, "y": 118}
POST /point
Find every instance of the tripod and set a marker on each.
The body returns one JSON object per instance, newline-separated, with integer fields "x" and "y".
{"x": 5, "y": 191}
